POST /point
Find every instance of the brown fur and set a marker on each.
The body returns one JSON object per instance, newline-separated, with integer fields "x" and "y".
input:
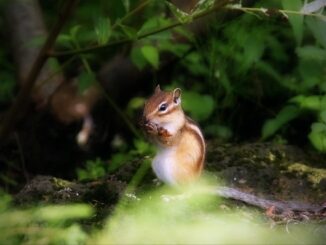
{"x": 155, "y": 100}
{"x": 185, "y": 139}
{"x": 190, "y": 155}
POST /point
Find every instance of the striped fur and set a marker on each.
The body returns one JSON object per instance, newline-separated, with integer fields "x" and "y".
{"x": 180, "y": 155}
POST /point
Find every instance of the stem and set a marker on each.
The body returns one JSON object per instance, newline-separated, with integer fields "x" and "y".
{"x": 176, "y": 23}
{"x": 59, "y": 70}
{"x": 24, "y": 94}
{"x": 131, "y": 187}
{"x": 120, "y": 113}
{"x": 22, "y": 158}
{"x": 131, "y": 13}
{"x": 108, "y": 98}
{"x": 282, "y": 11}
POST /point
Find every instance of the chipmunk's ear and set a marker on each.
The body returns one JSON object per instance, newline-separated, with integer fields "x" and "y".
{"x": 177, "y": 95}
{"x": 157, "y": 89}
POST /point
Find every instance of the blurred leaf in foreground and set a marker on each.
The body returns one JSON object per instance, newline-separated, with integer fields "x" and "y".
{"x": 51, "y": 224}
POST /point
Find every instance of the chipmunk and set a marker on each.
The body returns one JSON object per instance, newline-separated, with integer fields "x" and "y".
{"x": 181, "y": 151}
{"x": 180, "y": 142}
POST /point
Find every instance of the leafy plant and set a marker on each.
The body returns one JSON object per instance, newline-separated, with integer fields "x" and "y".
{"x": 93, "y": 170}
{"x": 103, "y": 30}
{"x": 199, "y": 106}
{"x": 307, "y": 83}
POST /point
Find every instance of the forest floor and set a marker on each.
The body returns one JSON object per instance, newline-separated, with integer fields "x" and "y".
{"x": 282, "y": 173}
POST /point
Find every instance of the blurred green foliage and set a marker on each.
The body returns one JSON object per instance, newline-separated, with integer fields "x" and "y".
{"x": 307, "y": 82}
{"x": 95, "y": 169}
{"x": 53, "y": 224}
{"x": 254, "y": 57}
{"x": 189, "y": 216}
{"x": 276, "y": 62}
{"x": 273, "y": 62}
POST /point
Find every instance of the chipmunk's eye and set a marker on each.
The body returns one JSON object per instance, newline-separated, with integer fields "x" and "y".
{"x": 163, "y": 107}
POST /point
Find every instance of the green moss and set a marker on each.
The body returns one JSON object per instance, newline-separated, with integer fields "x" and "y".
{"x": 271, "y": 156}
{"x": 314, "y": 175}
{"x": 61, "y": 183}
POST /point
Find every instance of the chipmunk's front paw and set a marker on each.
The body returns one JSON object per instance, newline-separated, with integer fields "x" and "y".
{"x": 163, "y": 132}
{"x": 150, "y": 128}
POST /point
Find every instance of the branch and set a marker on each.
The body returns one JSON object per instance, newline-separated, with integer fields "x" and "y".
{"x": 131, "y": 13}
{"x": 220, "y": 5}
{"x": 263, "y": 203}
{"x": 24, "y": 94}
{"x": 270, "y": 12}
{"x": 176, "y": 23}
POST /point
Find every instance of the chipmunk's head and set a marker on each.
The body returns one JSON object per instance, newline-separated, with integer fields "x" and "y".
{"x": 163, "y": 109}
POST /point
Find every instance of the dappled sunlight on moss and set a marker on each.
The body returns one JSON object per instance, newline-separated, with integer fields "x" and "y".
{"x": 314, "y": 175}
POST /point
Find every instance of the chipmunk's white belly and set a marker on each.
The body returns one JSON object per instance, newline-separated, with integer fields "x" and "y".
{"x": 164, "y": 164}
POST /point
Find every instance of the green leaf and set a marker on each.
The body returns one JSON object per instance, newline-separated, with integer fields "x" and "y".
{"x": 94, "y": 169}
{"x": 153, "y": 24}
{"x": 253, "y": 47}
{"x": 65, "y": 40}
{"x": 311, "y": 76}
{"x": 220, "y": 131}
{"x": 312, "y": 53}
{"x": 103, "y": 30}
{"x": 85, "y": 80}
{"x": 323, "y": 116}
{"x": 138, "y": 58}
{"x": 73, "y": 33}
{"x": 312, "y": 102}
{"x": 126, "y": 5}
{"x": 151, "y": 54}
{"x": 269, "y": 70}
{"x": 195, "y": 64}
{"x": 318, "y": 29}
{"x": 317, "y": 136}
{"x": 181, "y": 16}
{"x": 142, "y": 147}
{"x": 199, "y": 106}
{"x": 203, "y": 5}
{"x": 178, "y": 49}
{"x": 224, "y": 81}
{"x": 136, "y": 103}
{"x": 296, "y": 21}
{"x": 186, "y": 33}
{"x": 118, "y": 159}
{"x": 271, "y": 126}
{"x": 129, "y": 31}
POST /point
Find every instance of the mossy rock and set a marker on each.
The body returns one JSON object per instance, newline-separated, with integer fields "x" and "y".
{"x": 275, "y": 171}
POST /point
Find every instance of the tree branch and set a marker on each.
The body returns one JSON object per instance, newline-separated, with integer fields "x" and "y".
{"x": 24, "y": 94}
{"x": 176, "y": 23}
{"x": 269, "y": 12}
